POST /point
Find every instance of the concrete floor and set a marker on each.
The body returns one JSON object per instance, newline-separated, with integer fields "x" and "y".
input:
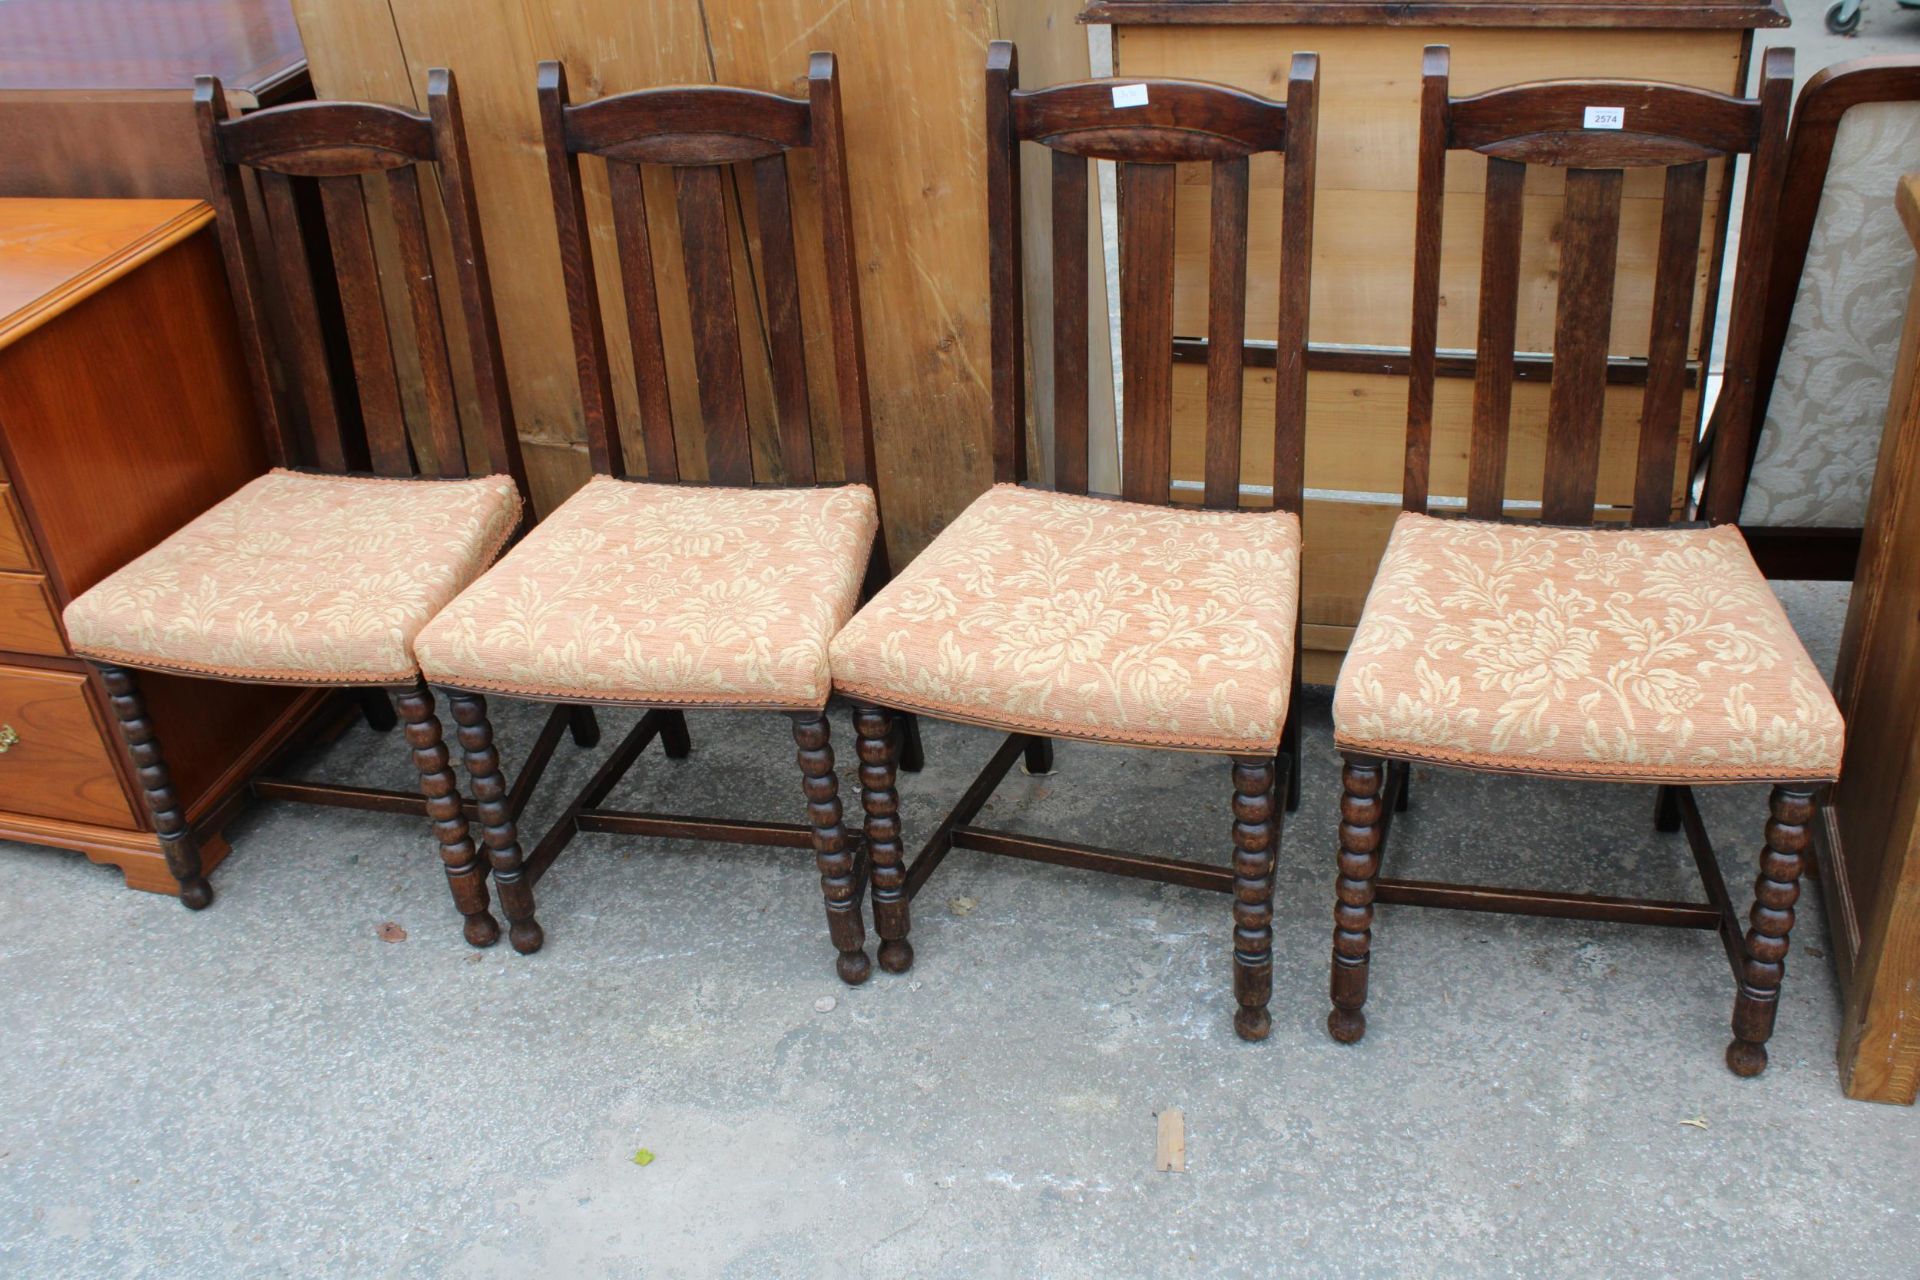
{"x": 269, "y": 1088}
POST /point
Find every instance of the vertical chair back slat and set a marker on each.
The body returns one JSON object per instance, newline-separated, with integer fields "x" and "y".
{"x": 1296, "y": 283}
{"x": 635, "y": 244}
{"x": 786, "y": 350}
{"x": 1006, "y": 324}
{"x": 1673, "y": 128}
{"x": 423, "y": 303}
{"x": 1148, "y": 129}
{"x": 1070, "y": 322}
{"x": 1430, "y": 198}
{"x": 707, "y": 250}
{"x": 711, "y": 138}
{"x": 341, "y": 148}
{"x": 302, "y": 351}
{"x": 1673, "y": 274}
{"x": 1583, "y": 323}
{"x": 344, "y": 201}
{"x": 1493, "y": 354}
{"x": 1226, "y": 330}
{"x": 1146, "y": 328}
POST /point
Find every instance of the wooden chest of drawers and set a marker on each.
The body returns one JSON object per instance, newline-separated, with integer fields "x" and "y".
{"x": 124, "y": 413}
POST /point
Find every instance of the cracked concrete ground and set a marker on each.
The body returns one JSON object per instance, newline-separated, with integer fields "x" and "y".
{"x": 268, "y": 1088}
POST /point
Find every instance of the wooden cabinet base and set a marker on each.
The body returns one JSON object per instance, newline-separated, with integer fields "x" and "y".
{"x": 136, "y": 853}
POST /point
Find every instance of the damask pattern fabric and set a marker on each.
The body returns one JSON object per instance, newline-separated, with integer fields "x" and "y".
{"x": 1088, "y": 618}
{"x": 1651, "y": 654}
{"x": 305, "y": 578}
{"x": 674, "y": 595}
{"x": 1821, "y": 436}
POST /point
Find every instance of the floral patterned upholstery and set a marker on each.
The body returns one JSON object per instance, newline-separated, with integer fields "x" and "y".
{"x": 312, "y": 579}
{"x": 672, "y": 595}
{"x": 1089, "y": 618}
{"x": 1820, "y": 440}
{"x": 1652, "y": 654}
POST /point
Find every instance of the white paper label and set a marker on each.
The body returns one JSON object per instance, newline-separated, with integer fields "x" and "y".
{"x": 1129, "y": 95}
{"x": 1605, "y": 118}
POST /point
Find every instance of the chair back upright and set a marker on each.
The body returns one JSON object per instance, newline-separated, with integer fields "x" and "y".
{"x": 1149, "y": 128}
{"x": 347, "y": 152}
{"x": 714, "y": 139}
{"x": 1594, "y": 131}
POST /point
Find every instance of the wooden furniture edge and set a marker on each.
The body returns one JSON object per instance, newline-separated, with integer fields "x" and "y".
{"x": 136, "y": 853}
{"x": 1629, "y": 14}
{"x": 191, "y": 216}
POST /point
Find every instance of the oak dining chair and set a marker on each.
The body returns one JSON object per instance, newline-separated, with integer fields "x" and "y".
{"x": 716, "y": 581}
{"x": 1582, "y": 639}
{"x": 322, "y": 572}
{"x": 1053, "y": 613}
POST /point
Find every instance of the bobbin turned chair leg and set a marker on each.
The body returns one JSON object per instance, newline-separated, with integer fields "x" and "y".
{"x": 1360, "y": 827}
{"x": 177, "y": 842}
{"x": 497, "y": 827}
{"x": 466, "y": 874}
{"x": 886, "y": 860}
{"x": 1790, "y": 811}
{"x": 1255, "y": 829}
{"x": 838, "y": 883}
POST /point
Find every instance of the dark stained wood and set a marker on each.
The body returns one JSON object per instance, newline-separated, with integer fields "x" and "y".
{"x": 1362, "y": 835}
{"x": 707, "y": 250}
{"x": 423, "y": 304}
{"x": 182, "y": 850}
{"x": 843, "y": 283}
{"x": 1622, "y": 371}
{"x": 1680, "y": 14}
{"x": 1429, "y": 199}
{"x": 1226, "y": 330}
{"x": 498, "y": 829}
{"x": 1667, "y": 351}
{"x": 367, "y": 337}
{"x": 1296, "y": 292}
{"x": 1006, "y": 310}
{"x": 892, "y": 904}
{"x": 643, "y": 322}
{"x": 1070, "y": 320}
{"x": 304, "y": 348}
{"x": 147, "y": 44}
{"x": 1180, "y": 121}
{"x": 839, "y": 882}
{"x": 1084, "y": 857}
{"x": 780, "y": 276}
{"x": 1664, "y": 124}
{"x": 706, "y": 125}
{"x": 1146, "y": 329}
{"x": 1493, "y": 359}
{"x": 1589, "y": 245}
{"x": 1790, "y": 814}
{"x": 466, "y": 875}
{"x": 1256, "y": 839}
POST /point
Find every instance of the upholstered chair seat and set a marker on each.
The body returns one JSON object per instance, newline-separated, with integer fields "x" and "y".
{"x": 1654, "y": 655}
{"x": 1082, "y": 617}
{"x": 666, "y": 595}
{"x": 311, "y": 579}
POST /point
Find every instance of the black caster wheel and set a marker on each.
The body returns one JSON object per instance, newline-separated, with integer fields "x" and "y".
{"x": 1842, "y": 22}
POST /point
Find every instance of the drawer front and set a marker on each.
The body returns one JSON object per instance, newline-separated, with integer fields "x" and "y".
{"x": 13, "y": 532}
{"x": 28, "y": 621}
{"x": 57, "y": 762}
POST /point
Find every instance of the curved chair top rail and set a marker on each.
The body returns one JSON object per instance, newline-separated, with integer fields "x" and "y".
{"x": 1148, "y": 127}
{"x": 1661, "y": 124}
{"x": 334, "y": 150}
{"x": 701, "y": 132}
{"x": 684, "y": 124}
{"x": 1672, "y": 127}
{"x": 1178, "y": 121}
{"x": 324, "y": 139}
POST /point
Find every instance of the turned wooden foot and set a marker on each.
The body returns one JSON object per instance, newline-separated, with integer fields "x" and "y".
{"x": 177, "y": 843}
{"x": 886, "y": 860}
{"x": 1360, "y": 815}
{"x": 466, "y": 874}
{"x": 1790, "y": 811}
{"x": 838, "y": 882}
{"x": 1255, "y": 833}
{"x": 498, "y": 831}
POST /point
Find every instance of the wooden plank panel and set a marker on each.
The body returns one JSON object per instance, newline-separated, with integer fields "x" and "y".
{"x": 28, "y": 619}
{"x": 1589, "y": 237}
{"x": 1494, "y": 350}
{"x": 705, "y": 249}
{"x": 1226, "y": 329}
{"x": 1146, "y": 328}
{"x": 1069, "y": 321}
